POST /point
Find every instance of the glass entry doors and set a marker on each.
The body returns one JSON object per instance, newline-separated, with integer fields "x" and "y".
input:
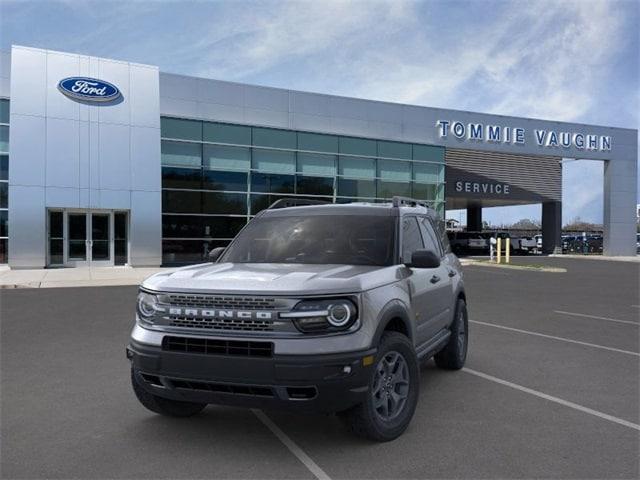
{"x": 87, "y": 238}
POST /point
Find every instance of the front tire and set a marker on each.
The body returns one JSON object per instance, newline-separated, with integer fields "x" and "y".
{"x": 454, "y": 354}
{"x": 393, "y": 392}
{"x": 164, "y": 406}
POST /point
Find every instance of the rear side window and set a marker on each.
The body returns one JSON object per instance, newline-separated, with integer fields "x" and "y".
{"x": 411, "y": 238}
{"x": 431, "y": 241}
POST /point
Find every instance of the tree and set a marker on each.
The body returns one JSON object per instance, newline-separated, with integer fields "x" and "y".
{"x": 526, "y": 224}
{"x": 579, "y": 225}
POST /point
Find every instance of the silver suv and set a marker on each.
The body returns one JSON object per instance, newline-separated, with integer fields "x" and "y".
{"x": 321, "y": 308}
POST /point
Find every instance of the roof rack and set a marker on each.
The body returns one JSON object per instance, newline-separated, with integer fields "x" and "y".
{"x": 295, "y": 202}
{"x": 409, "y": 202}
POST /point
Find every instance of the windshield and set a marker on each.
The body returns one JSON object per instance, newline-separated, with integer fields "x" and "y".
{"x": 317, "y": 239}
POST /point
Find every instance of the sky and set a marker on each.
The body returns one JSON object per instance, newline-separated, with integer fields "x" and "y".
{"x": 558, "y": 60}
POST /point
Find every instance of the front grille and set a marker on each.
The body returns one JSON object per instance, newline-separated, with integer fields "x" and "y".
{"x": 222, "y": 302}
{"x": 208, "y": 346}
{"x": 234, "y": 324}
{"x": 235, "y": 389}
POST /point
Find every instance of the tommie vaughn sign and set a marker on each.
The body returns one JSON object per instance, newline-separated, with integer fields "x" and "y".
{"x": 88, "y": 89}
{"x": 478, "y": 132}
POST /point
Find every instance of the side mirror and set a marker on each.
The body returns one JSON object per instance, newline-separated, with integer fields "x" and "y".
{"x": 424, "y": 259}
{"x": 215, "y": 253}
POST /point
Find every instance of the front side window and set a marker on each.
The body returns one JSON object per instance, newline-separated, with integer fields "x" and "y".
{"x": 316, "y": 239}
{"x": 411, "y": 238}
{"x": 431, "y": 241}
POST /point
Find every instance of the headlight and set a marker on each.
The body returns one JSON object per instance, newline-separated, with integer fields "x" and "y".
{"x": 330, "y": 315}
{"x": 147, "y": 305}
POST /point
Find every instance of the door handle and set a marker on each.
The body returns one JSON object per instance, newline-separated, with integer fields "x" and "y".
{"x": 452, "y": 273}
{"x": 435, "y": 279}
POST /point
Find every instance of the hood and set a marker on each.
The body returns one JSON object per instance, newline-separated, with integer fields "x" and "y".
{"x": 272, "y": 279}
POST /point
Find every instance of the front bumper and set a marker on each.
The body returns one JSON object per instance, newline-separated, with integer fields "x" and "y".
{"x": 314, "y": 383}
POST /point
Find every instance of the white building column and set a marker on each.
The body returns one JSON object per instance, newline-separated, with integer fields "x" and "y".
{"x": 620, "y": 199}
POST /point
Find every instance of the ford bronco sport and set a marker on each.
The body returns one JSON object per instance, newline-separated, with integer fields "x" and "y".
{"x": 322, "y": 308}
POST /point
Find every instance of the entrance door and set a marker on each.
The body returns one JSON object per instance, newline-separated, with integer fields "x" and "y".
{"x": 77, "y": 240}
{"x": 87, "y": 238}
{"x": 100, "y": 242}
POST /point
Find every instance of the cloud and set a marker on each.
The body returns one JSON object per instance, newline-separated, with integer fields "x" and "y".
{"x": 570, "y": 60}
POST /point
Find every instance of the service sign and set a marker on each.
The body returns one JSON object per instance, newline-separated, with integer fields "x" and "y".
{"x": 88, "y": 89}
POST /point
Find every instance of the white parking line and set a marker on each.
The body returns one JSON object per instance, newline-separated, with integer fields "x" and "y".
{"x": 563, "y": 339}
{"x": 609, "y": 319}
{"x": 551, "y": 398}
{"x": 292, "y": 446}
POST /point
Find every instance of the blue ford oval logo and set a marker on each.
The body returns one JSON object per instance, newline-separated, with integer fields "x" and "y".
{"x": 89, "y": 89}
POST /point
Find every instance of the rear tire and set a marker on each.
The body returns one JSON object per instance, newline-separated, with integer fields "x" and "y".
{"x": 164, "y": 406}
{"x": 454, "y": 354}
{"x": 393, "y": 392}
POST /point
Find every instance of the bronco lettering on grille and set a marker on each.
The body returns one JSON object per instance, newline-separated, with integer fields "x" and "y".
{"x": 212, "y": 313}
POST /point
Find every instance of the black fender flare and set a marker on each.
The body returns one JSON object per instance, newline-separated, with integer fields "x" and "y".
{"x": 393, "y": 309}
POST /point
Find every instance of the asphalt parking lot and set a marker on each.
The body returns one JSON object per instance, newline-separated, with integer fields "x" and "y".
{"x": 551, "y": 389}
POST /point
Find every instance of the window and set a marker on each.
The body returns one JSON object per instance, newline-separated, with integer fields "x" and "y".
{"x": 216, "y": 180}
{"x": 394, "y": 171}
{"x": 4, "y": 227}
{"x": 314, "y": 185}
{"x": 348, "y": 187}
{"x": 4, "y": 195}
{"x": 358, "y": 146}
{"x": 260, "y": 202}
{"x": 4, "y": 139}
{"x": 217, "y": 175}
{"x": 193, "y": 226}
{"x": 411, "y": 238}
{"x": 431, "y": 241}
{"x": 215, "y": 202}
{"x": 316, "y": 164}
{"x": 427, "y": 153}
{"x": 120, "y": 244}
{"x": 427, "y": 172}
{"x": 176, "y": 201}
{"x": 357, "y": 167}
{"x": 224, "y": 133}
{"x": 227, "y": 158}
{"x": 274, "y": 161}
{"x": 271, "y": 137}
{"x": 441, "y": 230}
{"x": 316, "y": 239}
{"x": 181, "y": 154}
{"x": 4, "y": 111}
{"x": 317, "y": 143}
{"x": 272, "y": 183}
{"x": 182, "y": 252}
{"x": 394, "y": 150}
{"x": 4, "y": 167}
{"x": 182, "y": 129}
{"x": 190, "y": 178}
{"x": 424, "y": 191}
{"x": 390, "y": 189}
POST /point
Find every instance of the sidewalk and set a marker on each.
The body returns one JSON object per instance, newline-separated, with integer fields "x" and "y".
{"x": 74, "y": 277}
{"x": 635, "y": 258}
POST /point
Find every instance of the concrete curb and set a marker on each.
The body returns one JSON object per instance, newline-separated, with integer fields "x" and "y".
{"x": 635, "y": 259}
{"x": 477, "y": 263}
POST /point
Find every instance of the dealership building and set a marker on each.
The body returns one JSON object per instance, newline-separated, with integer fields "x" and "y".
{"x": 107, "y": 162}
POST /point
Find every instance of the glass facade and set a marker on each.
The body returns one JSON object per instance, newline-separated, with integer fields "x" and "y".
{"x": 4, "y": 180}
{"x": 216, "y": 176}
